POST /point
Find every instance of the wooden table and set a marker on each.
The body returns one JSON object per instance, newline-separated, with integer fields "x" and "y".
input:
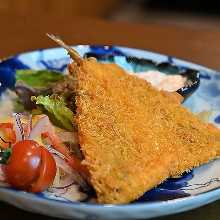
{"x": 27, "y": 33}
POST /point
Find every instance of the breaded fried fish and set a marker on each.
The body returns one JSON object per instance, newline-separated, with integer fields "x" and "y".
{"x": 133, "y": 136}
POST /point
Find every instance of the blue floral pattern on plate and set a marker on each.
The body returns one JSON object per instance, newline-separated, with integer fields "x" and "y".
{"x": 193, "y": 189}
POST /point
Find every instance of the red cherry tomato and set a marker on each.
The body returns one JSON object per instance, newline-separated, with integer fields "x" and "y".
{"x": 24, "y": 163}
{"x": 47, "y": 172}
{"x": 29, "y": 165}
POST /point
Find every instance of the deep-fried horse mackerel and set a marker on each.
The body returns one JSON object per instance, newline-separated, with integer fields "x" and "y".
{"x": 133, "y": 136}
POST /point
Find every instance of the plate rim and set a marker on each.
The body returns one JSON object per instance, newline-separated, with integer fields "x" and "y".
{"x": 208, "y": 197}
{"x": 176, "y": 58}
{"x": 150, "y": 204}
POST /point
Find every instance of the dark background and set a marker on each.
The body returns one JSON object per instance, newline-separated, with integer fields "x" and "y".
{"x": 192, "y": 13}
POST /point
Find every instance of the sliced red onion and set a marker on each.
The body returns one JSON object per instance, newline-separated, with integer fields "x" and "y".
{"x": 72, "y": 175}
{"x": 54, "y": 151}
{"x": 57, "y": 192}
{"x": 29, "y": 126}
{"x": 71, "y": 193}
{"x": 62, "y": 164}
{"x": 43, "y": 125}
{"x": 65, "y": 186}
{"x": 19, "y": 131}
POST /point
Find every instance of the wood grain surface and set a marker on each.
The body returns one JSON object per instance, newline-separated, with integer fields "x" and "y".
{"x": 28, "y": 33}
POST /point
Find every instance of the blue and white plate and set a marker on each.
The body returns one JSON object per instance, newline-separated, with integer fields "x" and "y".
{"x": 199, "y": 187}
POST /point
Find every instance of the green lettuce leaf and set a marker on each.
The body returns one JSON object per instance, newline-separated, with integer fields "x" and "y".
{"x": 57, "y": 109}
{"x": 38, "y": 78}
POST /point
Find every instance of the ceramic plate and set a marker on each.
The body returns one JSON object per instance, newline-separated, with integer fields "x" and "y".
{"x": 194, "y": 189}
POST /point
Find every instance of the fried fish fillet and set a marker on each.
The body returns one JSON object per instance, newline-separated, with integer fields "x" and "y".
{"x": 133, "y": 137}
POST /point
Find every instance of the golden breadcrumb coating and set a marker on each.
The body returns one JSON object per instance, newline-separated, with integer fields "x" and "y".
{"x": 132, "y": 136}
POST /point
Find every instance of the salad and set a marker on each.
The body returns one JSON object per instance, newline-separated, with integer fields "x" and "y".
{"x": 38, "y": 143}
